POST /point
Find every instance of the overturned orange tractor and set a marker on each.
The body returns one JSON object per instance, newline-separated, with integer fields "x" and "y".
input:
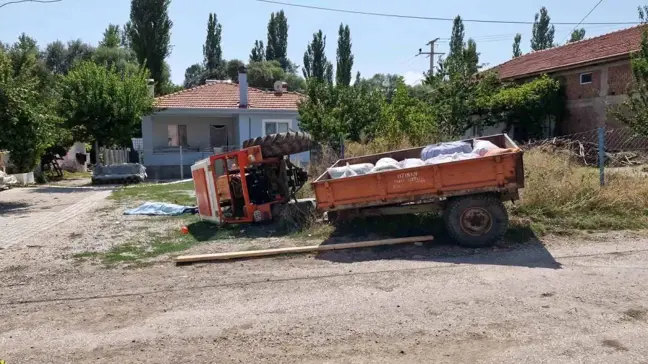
{"x": 245, "y": 185}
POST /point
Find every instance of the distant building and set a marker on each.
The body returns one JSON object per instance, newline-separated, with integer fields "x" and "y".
{"x": 213, "y": 118}
{"x": 595, "y": 73}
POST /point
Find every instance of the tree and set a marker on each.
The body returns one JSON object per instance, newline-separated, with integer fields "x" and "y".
{"x": 381, "y": 82}
{"x": 120, "y": 59}
{"x": 257, "y": 54}
{"x": 328, "y": 72}
{"x": 452, "y": 99}
{"x": 543, "y": 31}
{"x": 55, "y": 57}
{"x": 102, "y": 105}
{"x": 525, "y": 106}
{"x": 471, "y": 57}
{"x": 194, "y": 75}
{"x": 277, "y": 45}
{"x": 295, "y": 82}
{"x": 457, "y": 39}
{"x": 125, "y": 35}
{"x": 60, "y": 58}
{"x": 634, "y": 110}
{"x": 232, "y": 69}
{"x": 264, "y": 74}
{"x": 26, "y": 59}
{"x": 111, "y": 37}
{"x": 331, "y": 113}
{"x": 463, "y": 57}
{"x": 643, "y": 14}
{"x": 407, "y": 116}
{"x": 78, "y": 51}
{"x": 212, "y": 49}
{"x": 26, "y": 121}
{"x": 315, "y": 63}
{"x": 149, "y": 35}
{"x": 272, "y": 38}
{"x": 577, "y": 34}
{"x": 516, "y": 45}
{"x": 344, "y": 57}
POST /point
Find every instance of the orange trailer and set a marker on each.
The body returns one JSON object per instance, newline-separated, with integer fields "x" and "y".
{"x": 468, "y": 192}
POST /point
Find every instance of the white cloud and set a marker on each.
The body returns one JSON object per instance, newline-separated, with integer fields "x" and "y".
{"x": 413, "y": 78}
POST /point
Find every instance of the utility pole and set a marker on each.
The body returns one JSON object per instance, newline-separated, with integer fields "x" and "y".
{"x": 430, "y": 54}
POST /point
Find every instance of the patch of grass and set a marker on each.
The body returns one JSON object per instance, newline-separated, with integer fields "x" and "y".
{"x": 561, "y": 197}
{"x": 135, "y": 252}
{"x": 76, "y": 175}
{"x": 178, "y": 193}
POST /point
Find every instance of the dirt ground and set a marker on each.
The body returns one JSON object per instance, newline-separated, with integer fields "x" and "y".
{"x": 560, "y": 301}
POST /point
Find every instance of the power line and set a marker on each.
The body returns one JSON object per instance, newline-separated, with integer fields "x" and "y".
{"x": 582, "y": 20}
{"x": 29, "y": 1}
{"x": 432, "y": 18}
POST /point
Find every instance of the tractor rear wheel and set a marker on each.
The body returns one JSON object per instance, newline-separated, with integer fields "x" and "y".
{"x": 281, "y": 144}
{"x": 476, "y": 221}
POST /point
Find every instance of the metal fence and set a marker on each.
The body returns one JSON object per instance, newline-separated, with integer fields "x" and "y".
{"x": 108, "y": 156}
{"x": 603, "y": 147}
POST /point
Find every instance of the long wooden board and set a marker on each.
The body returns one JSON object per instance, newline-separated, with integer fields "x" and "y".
{"x": 298, "y": 249}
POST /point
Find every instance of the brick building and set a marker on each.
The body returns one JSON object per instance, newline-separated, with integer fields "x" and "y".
{"x": 594, "y": 72}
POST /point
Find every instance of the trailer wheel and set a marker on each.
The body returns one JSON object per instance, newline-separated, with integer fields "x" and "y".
{"x": 476, "y": 221}
{"x": 281, "y": 144}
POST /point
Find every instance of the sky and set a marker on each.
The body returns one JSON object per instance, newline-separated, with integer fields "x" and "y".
{"x": 380, "y": 45}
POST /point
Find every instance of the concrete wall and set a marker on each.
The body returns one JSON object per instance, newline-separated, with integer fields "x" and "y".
{"x": 588, "y": 104}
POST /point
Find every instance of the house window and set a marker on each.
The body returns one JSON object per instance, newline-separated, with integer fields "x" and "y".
{"x": 177, "y": 135}
{"x": 275, "y": 126}
{"x": 585, "y": 78}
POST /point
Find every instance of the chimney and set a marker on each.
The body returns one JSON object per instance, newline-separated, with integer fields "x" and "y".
{"x": 243, "y": 87}
{"x": 150, "y": 83}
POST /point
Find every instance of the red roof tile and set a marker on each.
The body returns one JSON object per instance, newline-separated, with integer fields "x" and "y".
{"x": 226, "y": 96}
{"x": 612, "y": 45}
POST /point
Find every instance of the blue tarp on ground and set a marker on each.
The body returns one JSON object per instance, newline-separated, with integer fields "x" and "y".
{"x": 161, "y": 209}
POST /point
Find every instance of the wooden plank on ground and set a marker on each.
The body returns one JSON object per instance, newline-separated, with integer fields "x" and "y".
{"x": 298, "y": 249}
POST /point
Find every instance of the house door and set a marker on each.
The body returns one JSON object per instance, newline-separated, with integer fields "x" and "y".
{"x": 218, "y": 137}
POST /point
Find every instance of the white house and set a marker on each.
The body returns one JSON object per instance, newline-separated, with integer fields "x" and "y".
{"x": 193, "y": 124}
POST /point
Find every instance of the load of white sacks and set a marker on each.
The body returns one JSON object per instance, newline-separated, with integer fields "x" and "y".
{"x": 432, "y": 154}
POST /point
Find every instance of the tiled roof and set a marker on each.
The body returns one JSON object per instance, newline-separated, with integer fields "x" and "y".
{"x": 612, "y": 45}
{"x": 226, "y": 96}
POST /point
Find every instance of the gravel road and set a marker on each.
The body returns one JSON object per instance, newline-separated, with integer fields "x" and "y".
{"x": 576, "y": 301}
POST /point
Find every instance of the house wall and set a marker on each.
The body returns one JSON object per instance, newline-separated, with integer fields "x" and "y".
{"x": 588, "y": 104}
{"x": 166, "y": 164}
{"x": 241, "y": 125}
{"x": 198, "y": 130}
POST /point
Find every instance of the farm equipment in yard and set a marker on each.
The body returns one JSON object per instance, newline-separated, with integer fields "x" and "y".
{"x": 249, "y": 184}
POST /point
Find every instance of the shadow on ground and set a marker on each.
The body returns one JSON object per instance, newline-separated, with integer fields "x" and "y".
{"x": 12, "y": 207}
{"x": 206, "y": 231}
{"x": 520, "y": 247}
